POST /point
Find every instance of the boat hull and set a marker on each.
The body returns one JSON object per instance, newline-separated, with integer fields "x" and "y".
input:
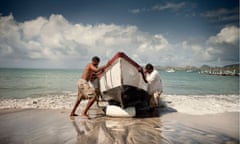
{"x": 122, "y": 84}
{"x": 126, "y": 96}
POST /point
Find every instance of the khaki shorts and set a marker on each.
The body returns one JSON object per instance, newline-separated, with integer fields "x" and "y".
{"x": 85, "y": 89}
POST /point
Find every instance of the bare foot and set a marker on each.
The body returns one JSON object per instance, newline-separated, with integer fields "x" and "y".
{"x": 73, "y": 114}
{"x": 85, "y": 116}
{"x": 71, "y": 117}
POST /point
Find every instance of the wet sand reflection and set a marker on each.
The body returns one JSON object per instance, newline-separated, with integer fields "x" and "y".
{"x": 119, "y": 130}
{"x": 148, "y": 129}
{"x": 51, "y": 126}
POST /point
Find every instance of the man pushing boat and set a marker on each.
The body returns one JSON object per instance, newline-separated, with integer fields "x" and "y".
{"x": 88, "y": 85}
{"x": 152, "y": 77}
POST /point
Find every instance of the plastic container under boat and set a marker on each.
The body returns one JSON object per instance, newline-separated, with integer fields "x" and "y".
{"x": 116, "y": 111}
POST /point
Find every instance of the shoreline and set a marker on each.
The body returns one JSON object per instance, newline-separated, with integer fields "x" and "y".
{"x": 193, "y": 104}
{"x": 54, "y": 126}
{"x": 185, "y": 119}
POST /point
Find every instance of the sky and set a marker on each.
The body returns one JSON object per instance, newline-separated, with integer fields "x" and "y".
{"x": 67, "y": 34}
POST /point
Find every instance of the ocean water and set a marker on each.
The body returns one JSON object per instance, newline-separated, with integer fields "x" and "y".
{"x": 193, "y": 83}
{"x": 190, "y": 93}
{"x": 22, "y": 83}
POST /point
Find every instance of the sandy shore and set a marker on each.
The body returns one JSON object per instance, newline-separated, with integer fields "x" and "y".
{"x": 193, "y": 104}
{"x": 54, "y": 126}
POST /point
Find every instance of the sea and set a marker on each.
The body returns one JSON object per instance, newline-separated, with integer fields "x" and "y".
{"x": 21, "y": 83}
{"x": 178, "y": 87}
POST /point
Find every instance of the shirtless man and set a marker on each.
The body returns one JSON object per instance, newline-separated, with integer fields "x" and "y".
{"x": 85, "y": 86}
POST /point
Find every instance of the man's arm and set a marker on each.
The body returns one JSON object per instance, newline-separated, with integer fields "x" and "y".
{"x": 96, "y": 70}
{"x": 99, "y": 71}
{"x": 140, "y": 69}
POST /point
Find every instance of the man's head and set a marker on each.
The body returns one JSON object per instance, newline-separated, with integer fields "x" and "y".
{"x": 95, "y": 60}
{"x": 149, "y": 68}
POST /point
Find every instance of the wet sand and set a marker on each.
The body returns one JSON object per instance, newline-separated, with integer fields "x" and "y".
{"x": 54, "y": 126}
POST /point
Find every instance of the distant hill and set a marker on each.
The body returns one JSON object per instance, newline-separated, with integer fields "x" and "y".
{"x": 225, "y": 70}
{"x": 232, "y": 67}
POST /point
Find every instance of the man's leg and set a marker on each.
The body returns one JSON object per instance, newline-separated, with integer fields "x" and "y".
{"x": 159, "y": 102}
{"x": 89, "y": 104}
{"x": 156, "y": 96}
{"x": 153, "y": 101}
{"x": 79, "y": 98}
{"x": 98, "y": 96}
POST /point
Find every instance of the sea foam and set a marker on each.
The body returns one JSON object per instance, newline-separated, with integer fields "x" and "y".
{"x": 189, "y": 104}
{"x": 203, "y": 104}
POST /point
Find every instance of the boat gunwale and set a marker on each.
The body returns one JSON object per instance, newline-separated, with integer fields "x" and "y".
{"x": 122, "y": 55}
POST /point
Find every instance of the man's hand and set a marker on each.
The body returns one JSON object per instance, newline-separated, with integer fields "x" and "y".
{"x": 140, "y": 69}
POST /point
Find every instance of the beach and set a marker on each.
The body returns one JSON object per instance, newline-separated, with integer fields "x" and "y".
{"x": 54, "y": 126}
{"x": 46, "y": 120}
{"x": 35, "y": 105}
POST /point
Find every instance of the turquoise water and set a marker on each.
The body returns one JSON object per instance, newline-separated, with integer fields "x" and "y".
{"x": 22, "y": 83}
{"x": 193, "y": 83}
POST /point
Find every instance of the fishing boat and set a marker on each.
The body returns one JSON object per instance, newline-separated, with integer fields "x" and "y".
{"x": 189, "y": 71}
{"x": 170, "y": 70}
{"x": 122, "y": 85}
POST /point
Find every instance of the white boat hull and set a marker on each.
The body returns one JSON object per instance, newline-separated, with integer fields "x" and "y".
{"x": 122, "y": 83}
{"x": 115, "y": 111}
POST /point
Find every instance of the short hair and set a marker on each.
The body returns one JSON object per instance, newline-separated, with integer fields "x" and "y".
{"x": 95, "y": 58}
{"x": 149, "y": 67}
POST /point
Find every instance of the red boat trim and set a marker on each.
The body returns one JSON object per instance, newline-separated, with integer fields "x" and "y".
{"x": 123, "y": 55}
{"x": 117, "y": 56}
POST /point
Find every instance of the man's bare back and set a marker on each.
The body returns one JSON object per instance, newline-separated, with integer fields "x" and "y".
{"x": 89, "y": 69}
{"x": 89, "y": 74}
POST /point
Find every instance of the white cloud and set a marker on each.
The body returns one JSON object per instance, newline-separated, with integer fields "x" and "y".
{"x": 169, "y": 6}
{"x": 225, "y": 45}
{"x": 161, "y": 7}
{"x": 222, "y": 14}
{"x": 55, "y": 42}
{"x": 229, "y": 35}
{"x": 135, "y": 11}
{"x": 221, "y": 49}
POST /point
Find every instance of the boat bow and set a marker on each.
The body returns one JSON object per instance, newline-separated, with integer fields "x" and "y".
{"x": 122, "y": 83}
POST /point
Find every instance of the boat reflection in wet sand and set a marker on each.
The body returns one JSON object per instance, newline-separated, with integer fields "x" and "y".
{"x": 123, "y": 88}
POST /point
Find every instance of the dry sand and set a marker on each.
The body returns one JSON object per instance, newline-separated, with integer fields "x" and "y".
{"x": 54, "y": 126}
